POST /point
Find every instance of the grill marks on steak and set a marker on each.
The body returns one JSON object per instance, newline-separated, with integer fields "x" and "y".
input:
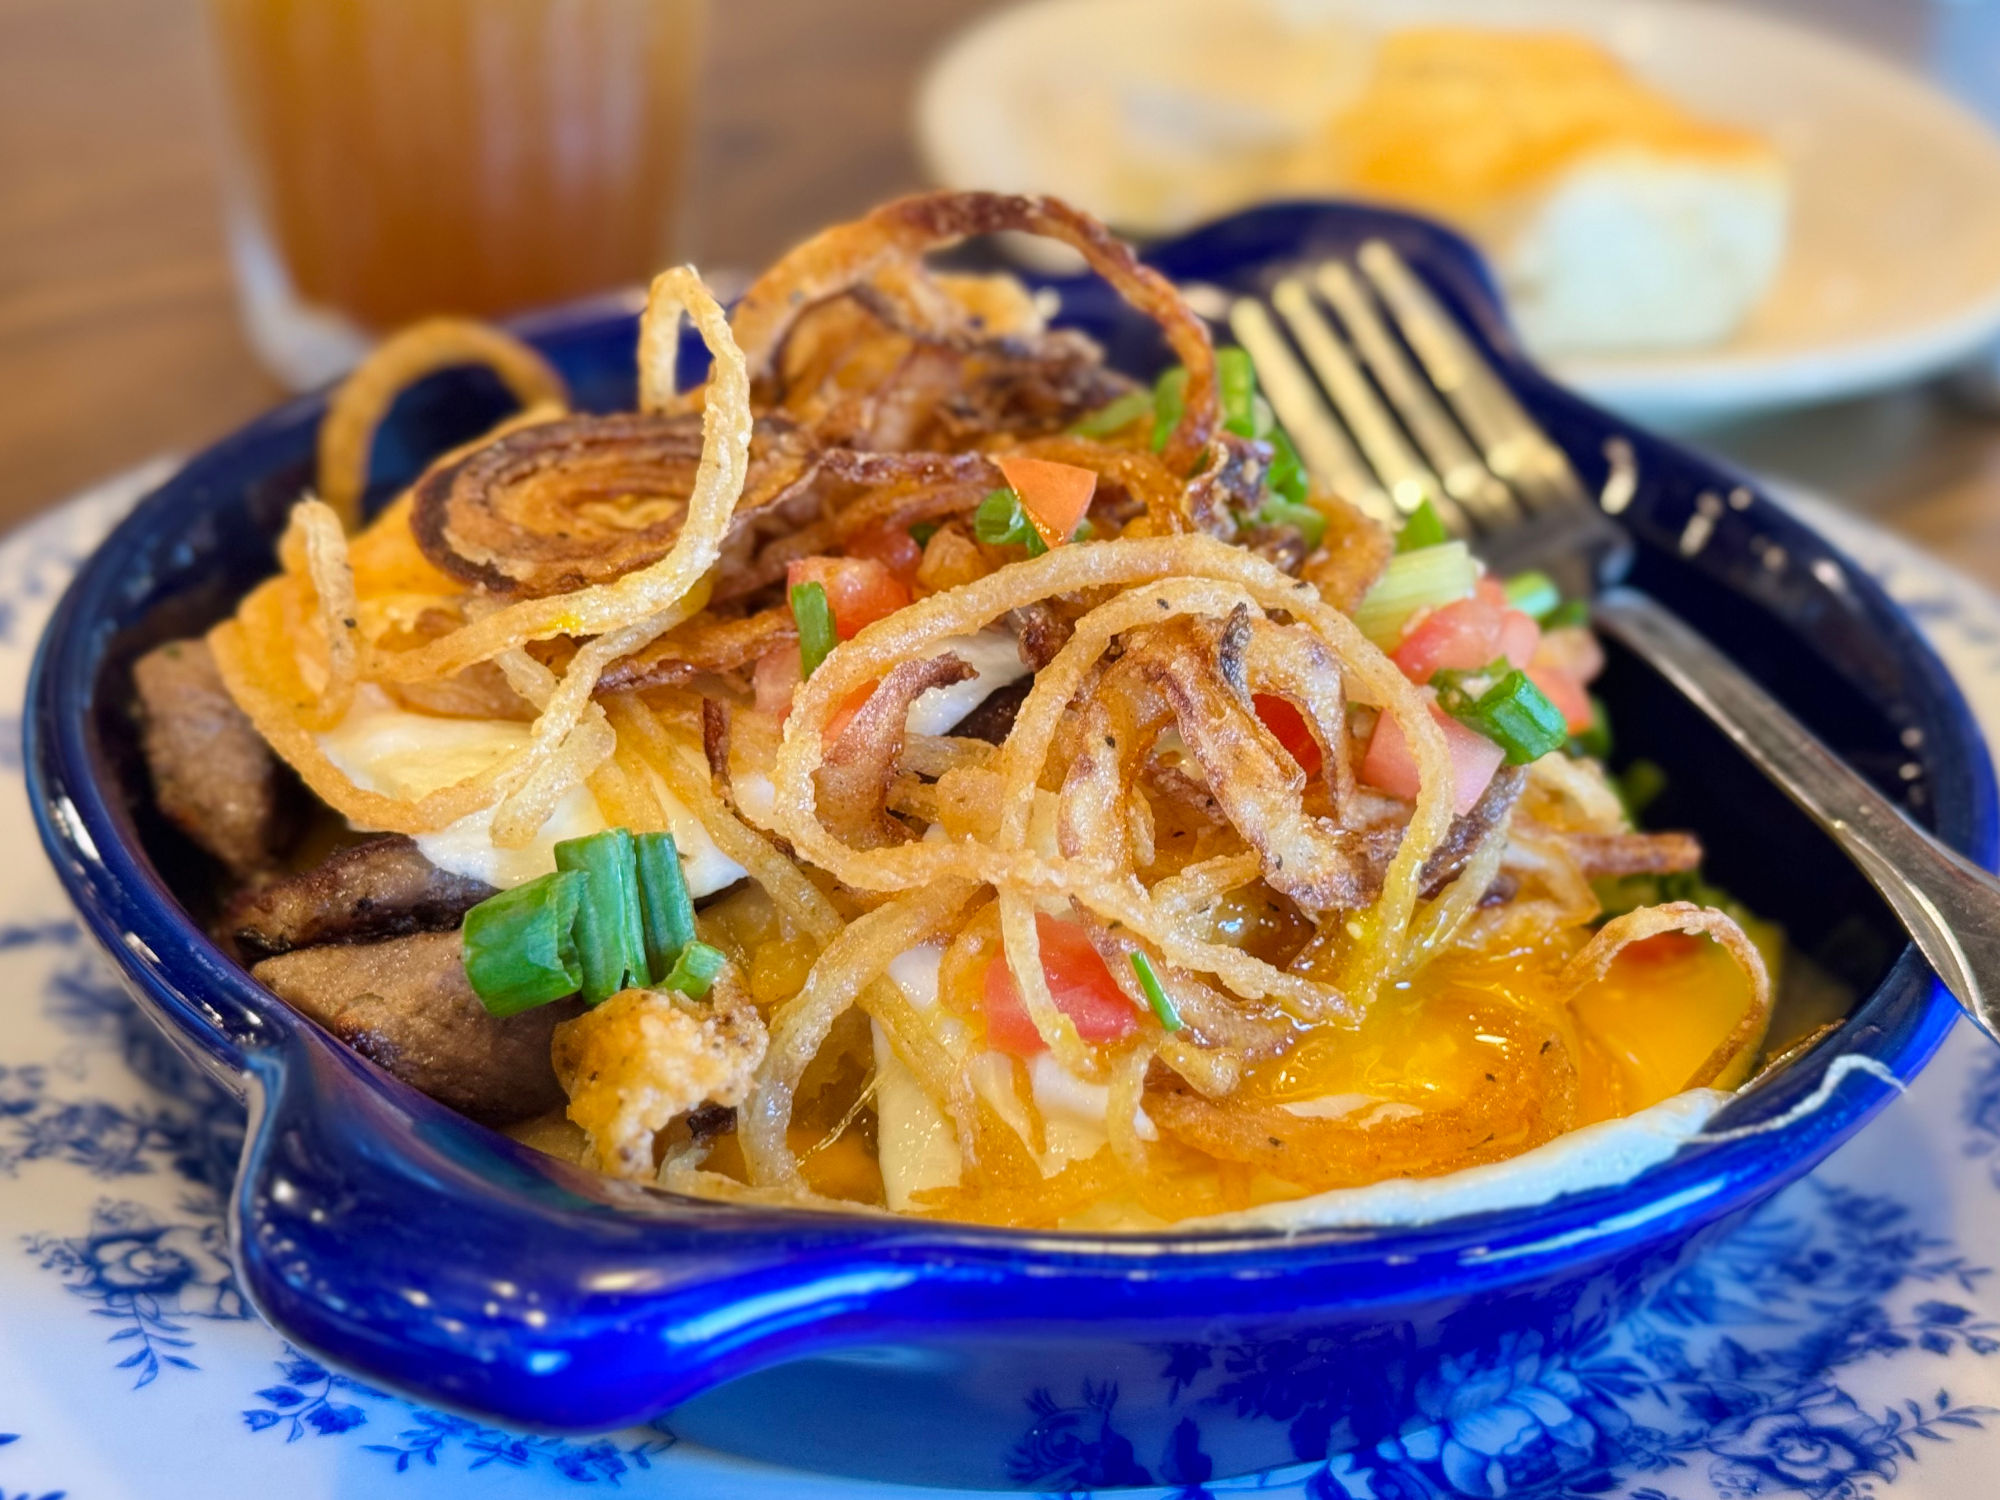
{"x": 406, "y": 1005}
{"x": 383, "y": 888}
{"x": 213, "y": 775}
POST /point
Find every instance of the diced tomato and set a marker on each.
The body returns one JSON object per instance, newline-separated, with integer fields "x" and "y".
{"x": 1289, "y": 727}
{"x": 1566, "y": 693}
{"x": 891, "y": 546}
{"x": 1490, "y": 590}
{"x": 1390, "y": 766}
{"x": 1464, "y": 636}
{"x": 860, "y": 590}
{"x": 1079, "y": 982}
{"x": 842, "y": 716}
{"x": 1054, "y": 495}
{"x": 775, "y": 678}
{"x": 1519, "y": 637}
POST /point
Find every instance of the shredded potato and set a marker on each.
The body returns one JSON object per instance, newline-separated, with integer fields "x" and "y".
{"x": 1177, "y": 787}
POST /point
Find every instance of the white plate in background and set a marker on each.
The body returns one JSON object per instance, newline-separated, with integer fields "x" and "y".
{"x": 1893, "y": 268}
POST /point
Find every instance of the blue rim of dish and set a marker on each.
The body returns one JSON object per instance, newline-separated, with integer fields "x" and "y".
{"x": 215, "y": 1007}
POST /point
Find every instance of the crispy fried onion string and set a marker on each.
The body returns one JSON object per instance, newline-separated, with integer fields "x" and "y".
{"x": 365, "y": 397}
{"x": 801, "y": 902}
{"x": 315, "y": 544}
{"x": 570, "y": 738}
{"x": 851, "y": 964}
{"x": 1163, "y": 579}
{"x": 1614, "y": 936}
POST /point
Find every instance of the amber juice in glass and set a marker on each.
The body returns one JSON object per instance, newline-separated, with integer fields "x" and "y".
{"x": 390, "y": 159}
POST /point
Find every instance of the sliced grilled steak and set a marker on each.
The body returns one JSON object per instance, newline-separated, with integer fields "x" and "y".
{"x": 383, "y": 888}
{"x": 213, "y": 775}
{"x": 406, "y": 1005}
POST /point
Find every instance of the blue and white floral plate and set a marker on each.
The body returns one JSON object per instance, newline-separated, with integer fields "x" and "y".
{"x": 1843, "y": 1344}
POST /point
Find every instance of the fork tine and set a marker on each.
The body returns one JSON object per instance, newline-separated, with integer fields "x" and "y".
{"x": 1330, "y": 456}
{"x": 1408, "y": 479}
{"x": 1486, "y": 500}
{"x": 1514, "y": 447}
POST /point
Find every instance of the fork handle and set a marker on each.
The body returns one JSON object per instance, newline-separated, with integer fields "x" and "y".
{"x": 1950, "y": 906}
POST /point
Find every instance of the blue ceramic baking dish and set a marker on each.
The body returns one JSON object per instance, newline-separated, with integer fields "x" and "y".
{"x": 429, "y": 1254}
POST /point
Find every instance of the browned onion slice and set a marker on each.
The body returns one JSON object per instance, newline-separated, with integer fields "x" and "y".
{"x": 702, "y": 645}
{"x": 840, "y": 259}
{"x": 585, "y": 499}
{"x": 854, "y": 776}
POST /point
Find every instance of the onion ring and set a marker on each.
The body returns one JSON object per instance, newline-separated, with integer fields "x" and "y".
{"x": 1590, "y": 965}
{"x": 583, "y": 500}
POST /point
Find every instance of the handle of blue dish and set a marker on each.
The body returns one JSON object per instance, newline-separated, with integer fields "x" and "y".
{"x": 1949, "y": 905}
{"x": 405, "y": 1243}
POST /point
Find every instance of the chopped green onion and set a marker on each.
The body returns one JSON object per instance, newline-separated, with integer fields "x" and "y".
{"x": 520, "y": 946}
{"x": 1505, "y": 707}
{"x": 695, "y": 970}
{"x": 1244, "y": 412}
{"x": 1596, "y": 740}
{"x": 1311, "y": 522}
{"x": 666, "y": 910}
{"x": 610, "y": 937}
{"x": 1236, "y": 386}
{"x": 1119, "y": 415}
{"x": 923, "y": 531}
{"x": 1429, "y": 576}
{"x": 1569, "y": 612}
{"x": 1001, "y": 521}
{"x": 814, "y": 615}
{"x": 1263, "y": 421}
{"x": 1156, "y": 993}
{"x": 1534, "y": 594}
{"x": 1287, "y": 476}
{"x": 1423, "y": 529}
{"x": 1169, "y": 401}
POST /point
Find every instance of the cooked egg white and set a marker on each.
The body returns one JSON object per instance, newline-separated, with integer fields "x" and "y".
{"x": 1594, "y": 1156}
{"x": 995, "y": 658}
{"x": 387, "y": 749}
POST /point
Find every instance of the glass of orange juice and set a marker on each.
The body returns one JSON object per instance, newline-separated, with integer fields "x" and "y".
{"x": 390, "y": 159}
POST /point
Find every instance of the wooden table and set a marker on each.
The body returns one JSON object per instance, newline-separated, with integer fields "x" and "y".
{"x": 118, "y": 335}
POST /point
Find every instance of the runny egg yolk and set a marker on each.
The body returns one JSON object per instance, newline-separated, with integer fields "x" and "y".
{"x": 1638, "y": 1036}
